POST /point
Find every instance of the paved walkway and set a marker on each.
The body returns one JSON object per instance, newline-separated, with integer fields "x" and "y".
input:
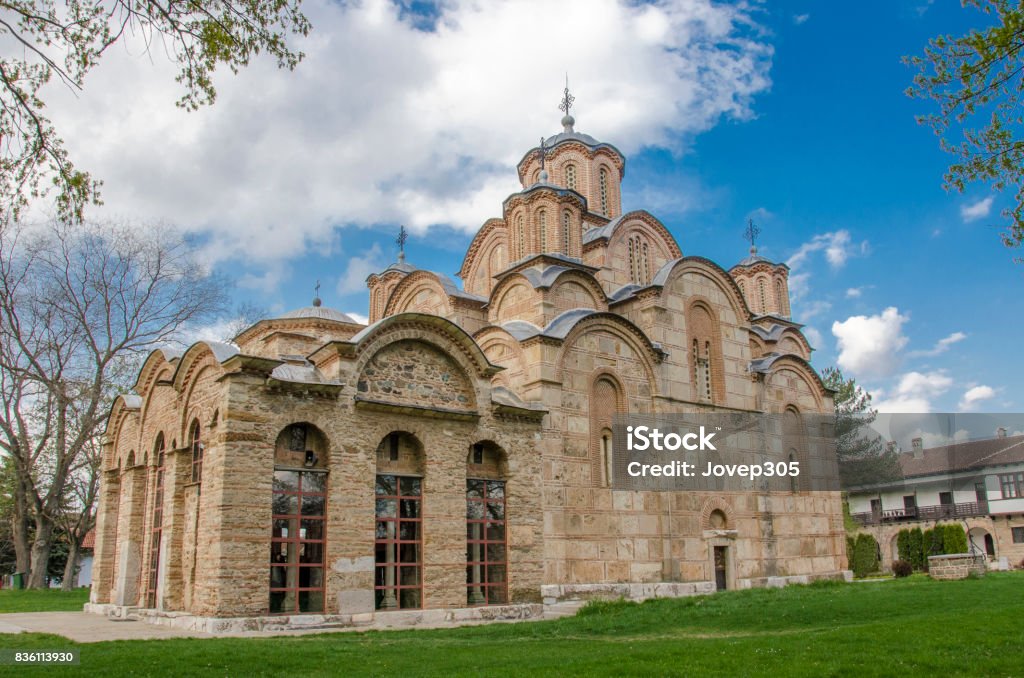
{"x": 89, "y": 628}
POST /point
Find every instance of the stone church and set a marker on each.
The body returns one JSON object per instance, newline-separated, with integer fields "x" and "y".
{"x": 455, "y": 454}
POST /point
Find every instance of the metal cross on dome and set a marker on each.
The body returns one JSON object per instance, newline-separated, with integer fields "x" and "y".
{"x": 568, "y": 99}
{"x": 403, "y": 235}
{"x": 753, "y": 230}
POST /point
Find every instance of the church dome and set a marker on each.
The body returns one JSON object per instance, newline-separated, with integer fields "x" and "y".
{"x": 317, "y": 312}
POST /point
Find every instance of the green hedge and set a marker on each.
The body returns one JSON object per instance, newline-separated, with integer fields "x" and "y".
{"x": 865, "y": 556}
{"x": 915, "y": 546}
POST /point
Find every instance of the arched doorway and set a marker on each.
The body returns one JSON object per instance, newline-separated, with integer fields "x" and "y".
{"x": 981, "y": 541}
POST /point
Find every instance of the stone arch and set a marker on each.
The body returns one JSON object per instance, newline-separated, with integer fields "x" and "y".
{"x": 705, "y": 348}
{"x": 575, "y": 291}
{"x": 623, "y": 329}
{"x": 414, "y": 372}
{"x": 791, "y": 337}
{"x": 514, "y": 299}
{"x": 130, "y": 459}
{"x": 712, "y": 505}
{"x": 797, "y": 368}
{"x": 302, "y": 445}
{"x": 400, "y": 453}
{"x": 607, "y": 399}
{"x": 419, "y": 292}
{"x": 488, "y": 460}
{"x": 710, "y": 271}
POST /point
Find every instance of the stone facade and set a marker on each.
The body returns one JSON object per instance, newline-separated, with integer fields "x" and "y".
{"x": 500, "y": 392}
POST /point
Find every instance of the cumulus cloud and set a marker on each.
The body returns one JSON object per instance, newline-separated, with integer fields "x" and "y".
{"x": 974, "y": 396}
{"x": 941, "y": 346}
{"x": 914, "y": 392}
{"x": 800, "y": 18}
{"x": 837, "y": 246}
{"x": 869, "y": 346}
{"x": 358, "y": 269}
{"x": 854, "y": 292}
{"x": 358, "y": 317}
{"x": 977, "y": 210}
{"x": 394, "y": 119}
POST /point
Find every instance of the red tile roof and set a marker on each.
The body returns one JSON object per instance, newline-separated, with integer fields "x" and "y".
{"x": 89, "y": 540}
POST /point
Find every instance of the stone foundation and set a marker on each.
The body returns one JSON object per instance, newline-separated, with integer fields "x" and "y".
{"x": 956, "y": 566}
{"x": 298, "y": 622}
{"x": 553, "y": 593}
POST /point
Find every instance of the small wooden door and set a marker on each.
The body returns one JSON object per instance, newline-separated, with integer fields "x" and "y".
{"x": 721, "y": 580}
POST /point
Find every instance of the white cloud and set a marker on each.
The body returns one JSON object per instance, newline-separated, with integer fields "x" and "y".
{"x": 854, "y": 292}
{"x": 929, "y": 439}
{"x": 387, "y": 123}
{"x": 838, "y": 247}
{"x": 869, "y": 346}
{"x": 941, "y": 346}
{"x": 813, "y": 308}
{"x": 358, "y": 269}
{"x": 977, "y": 210}
{"x": 914, "y": 392}
{"x": 358, "y": 317}
{"x": 814, "y": 337}
{"x": 975, "y": 395}
{"x": 800, "y": 18}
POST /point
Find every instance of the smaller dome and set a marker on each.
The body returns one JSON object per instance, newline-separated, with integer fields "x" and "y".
{"x": 317, "y": 312}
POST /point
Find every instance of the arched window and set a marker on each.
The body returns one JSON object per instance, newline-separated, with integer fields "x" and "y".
{"x": 705, "y": 353}
{"x": 520, "y": 238}
{"x": 639, "y": 263}
{"x": 158, "y": 521}
{"x": 398, "y": 540}
{"x": 536, "y": 176}
{"x": 299, "y": 498}
{"x": 606, "y": 400}
{"x": 197, "y": 453}
{"x": 486, "y": 541}
{"x": 779, "y": 298}
{"x": 542, "y": 225}
{"x": 566, "y": 233}
{"x": 702, "y": 370}
{"x": 570, "y": 176}
{"x": 762, "y": 294}
{"x": 603, "y": 186}
{"x": 743, "y": 290}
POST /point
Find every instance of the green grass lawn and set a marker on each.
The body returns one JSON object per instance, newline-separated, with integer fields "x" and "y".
{"x": 42, "y": 600}
{"x": 899, "y": 628}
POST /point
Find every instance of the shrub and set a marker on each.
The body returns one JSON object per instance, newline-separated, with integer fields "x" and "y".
{"x": 850, "y": 548}
{"x": 901, "y": 568}
{"x": 954, "y": 539}
{"x": 903, "y": 545}
{"x": 865, "y": 555}
{"x": 915, "y": 549}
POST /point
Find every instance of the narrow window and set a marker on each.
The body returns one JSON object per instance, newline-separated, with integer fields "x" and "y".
{"x": 297, "y": 542}
{"x": 632, "y": 260}
{"x": 520, "y": 238}
{"x": 778, "y": 297}
{"x": 707, "y": 370}
{"x": 570, "y": 176}
{"x": 743, "y": 291}
{"x": 398, "y": 581}
{"x": 702, "y": 370}
{"x": 603, "y": 180}
{"x": 197, "y": 454}
{"x": 486, "y": 547}
{"x": 158, "y": 522}
{"x": 566, "y": 233}
{"x": 606, "y": 456}
{"x": 542, "y": 219}
{"x": 762, "y": 293}
{"x": 645, "y": 267}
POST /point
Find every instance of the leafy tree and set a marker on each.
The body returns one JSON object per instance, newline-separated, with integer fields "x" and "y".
{"x": 977, "y": 80}
{"x": 45, "y": 41}
{"x": 863, "y": 458}
{"x": 915, "y": 547}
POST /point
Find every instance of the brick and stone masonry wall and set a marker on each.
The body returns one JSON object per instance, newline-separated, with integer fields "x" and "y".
{"x": 955, "y": 566}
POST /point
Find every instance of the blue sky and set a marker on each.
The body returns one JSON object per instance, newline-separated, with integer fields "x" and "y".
{"x": 800, "y": 122}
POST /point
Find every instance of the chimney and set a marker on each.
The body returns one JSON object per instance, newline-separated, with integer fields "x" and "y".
{"x": 891, "y": 447}
{"x": 918, "y": 445}
{"x": 1001, "y": 432}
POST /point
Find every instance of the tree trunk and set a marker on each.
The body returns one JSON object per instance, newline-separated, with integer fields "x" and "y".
{"x": 40, "y": 553}
{"x": 70, "y": 580}
{"x": 19, "y": 528}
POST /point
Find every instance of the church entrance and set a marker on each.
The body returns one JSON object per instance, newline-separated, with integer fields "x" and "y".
{"x": 721, "y": 562}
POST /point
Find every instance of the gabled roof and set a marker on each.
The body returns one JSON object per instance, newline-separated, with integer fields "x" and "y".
{"x": 973, "y": 454}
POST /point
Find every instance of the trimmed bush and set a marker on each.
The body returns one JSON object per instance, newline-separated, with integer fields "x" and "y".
{"x": 865, "y": 555}
{"x": 954, "y": 539}
{"x": 903, "y": 545}
{"x": 901, "y": 568}
{"x": 915, "y": 548}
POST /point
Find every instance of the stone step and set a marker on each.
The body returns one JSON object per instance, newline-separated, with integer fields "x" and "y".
{"x": 565, "y": 608}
